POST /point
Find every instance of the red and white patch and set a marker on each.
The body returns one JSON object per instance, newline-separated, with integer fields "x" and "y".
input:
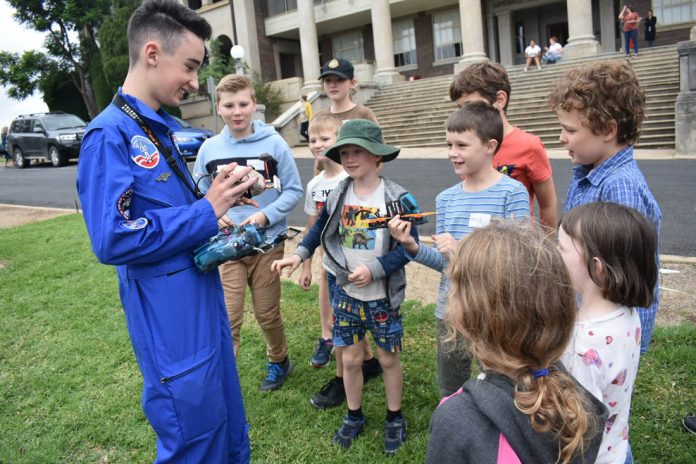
{"x": 144, "y": 153}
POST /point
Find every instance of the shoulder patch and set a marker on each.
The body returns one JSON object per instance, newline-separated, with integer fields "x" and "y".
{"x": 143, "y": 152}
{"x": 124, "y": 202}
{"x": 138, "y": 224}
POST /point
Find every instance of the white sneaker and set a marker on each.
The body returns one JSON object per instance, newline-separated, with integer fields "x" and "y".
{"x": 525, "y": 69}
{"x": 539, "y": 68}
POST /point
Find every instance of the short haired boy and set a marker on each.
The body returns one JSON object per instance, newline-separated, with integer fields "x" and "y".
{"x": 521, "y": 155}
{"x": 474, "y": 133}
{"x": 249, "y": 142}
{"x": 323, "y": 130}
{"x": 144, "y": 216}
{"x": 338, "y": 81}
{"x": 366, "y": 272}
{"x": 601, "y": 107}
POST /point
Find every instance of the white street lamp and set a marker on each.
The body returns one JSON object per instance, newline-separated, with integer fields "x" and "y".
{"x": 237, "y": 53}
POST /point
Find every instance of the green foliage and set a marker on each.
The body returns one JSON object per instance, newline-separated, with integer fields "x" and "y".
{"x": 70, "y": 43}
{"x": 60, "y": 94}
{"x": 220, "y": 65}
{"x": 70, "y": 387}
{"x": 23, "y": 74}
{"x": 103, "y": 90}
{"x": 113, "y": 41}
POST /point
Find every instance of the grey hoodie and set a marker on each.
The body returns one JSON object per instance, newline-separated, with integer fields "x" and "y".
{"x": 466, "y": 428}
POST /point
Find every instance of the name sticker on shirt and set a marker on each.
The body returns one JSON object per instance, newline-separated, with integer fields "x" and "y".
{"x": 477, "y": 220}
{"x": 143, "y": 152}
{"x": 137, "y": 224}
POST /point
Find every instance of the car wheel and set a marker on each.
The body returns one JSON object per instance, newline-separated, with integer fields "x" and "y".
{"x": 19, "y": 159}
{"x": 56, "y": 157}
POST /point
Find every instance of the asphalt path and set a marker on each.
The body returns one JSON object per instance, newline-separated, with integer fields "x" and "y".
{"x": 670, "y": 180}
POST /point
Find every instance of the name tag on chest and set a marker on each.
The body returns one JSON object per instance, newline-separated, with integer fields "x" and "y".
{"x": 478, "y": 220}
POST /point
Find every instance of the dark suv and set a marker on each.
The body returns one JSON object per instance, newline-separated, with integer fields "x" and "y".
{"x": 55, "y": 136}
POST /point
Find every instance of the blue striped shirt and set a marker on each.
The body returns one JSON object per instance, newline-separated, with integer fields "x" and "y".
{"x": 619, "y": 180}
{"x": 459, "y": 212}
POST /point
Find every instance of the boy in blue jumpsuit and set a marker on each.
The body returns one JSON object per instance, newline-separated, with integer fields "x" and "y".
{"x": 143, "y": 216}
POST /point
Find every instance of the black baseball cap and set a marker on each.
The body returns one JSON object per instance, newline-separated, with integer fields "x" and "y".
{"x": 337, "y": 67}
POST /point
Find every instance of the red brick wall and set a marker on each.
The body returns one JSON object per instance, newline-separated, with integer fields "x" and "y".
{"x": 425, "y": 53}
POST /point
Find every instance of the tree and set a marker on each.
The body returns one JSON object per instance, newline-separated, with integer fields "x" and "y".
{"x": 71, "y": 45}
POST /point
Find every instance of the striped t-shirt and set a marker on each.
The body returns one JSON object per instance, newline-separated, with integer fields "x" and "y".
{"x": 459, "y": 212}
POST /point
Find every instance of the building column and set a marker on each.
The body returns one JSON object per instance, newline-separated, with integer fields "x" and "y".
{"x": 245, "y": 26}
{"x": 309, "y": 46}
{"x": 471, "y": 20}
{"x": 685, "y": 106}
{"x": 384, "y": 43}
{"x": 607, "y": 25}
{"x": 492, "y": 44}
{"x": 506, "y": 38}
{"x": 582, "y": 40}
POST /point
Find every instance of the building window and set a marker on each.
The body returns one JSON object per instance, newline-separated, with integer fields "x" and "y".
{"x": 276, "y": 7}
{"x": 349, "y": 46}
{"x": 404, "y": 37}
{"x": 674, "y": 11}
{"x": 447, "y": 34}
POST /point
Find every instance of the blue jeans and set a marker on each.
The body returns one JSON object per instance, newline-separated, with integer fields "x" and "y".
{"x": 629, "y": 456}
{"x": 628, "y": 35}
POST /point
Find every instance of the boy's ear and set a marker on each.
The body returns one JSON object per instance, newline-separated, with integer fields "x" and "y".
{"x": 151, "y": 50}
{"x": 611, "y": 130}
{"x": 491, "y": 146}
{"x": 501, "y": 99}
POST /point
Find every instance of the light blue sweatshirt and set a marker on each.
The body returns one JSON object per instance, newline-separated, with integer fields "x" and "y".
{"x": 224, "y": 148}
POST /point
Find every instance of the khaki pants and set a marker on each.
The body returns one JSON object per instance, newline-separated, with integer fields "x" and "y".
{"x": 255, "y": 271}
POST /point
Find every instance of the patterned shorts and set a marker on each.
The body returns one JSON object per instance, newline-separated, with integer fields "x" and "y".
{"x": 353, "y": 317}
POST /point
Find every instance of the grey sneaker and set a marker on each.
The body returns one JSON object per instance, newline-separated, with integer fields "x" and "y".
{"x": 322, "y": 353}
{"x": 277, "y": 373}
{"x": 394, "y": 435}
{"x": 349, "y": 431}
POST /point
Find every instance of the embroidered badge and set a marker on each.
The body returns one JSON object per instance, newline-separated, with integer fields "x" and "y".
{"x": 124, "y": 202}
{"x": 138, "y": 224}
{"x": 144, "y": 153}
{"x": 164, "y": 177}
{"x": 333, "y": 64}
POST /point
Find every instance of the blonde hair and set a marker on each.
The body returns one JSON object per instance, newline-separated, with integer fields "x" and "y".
{"x": 324, "y": 121}
{"x": 512, "y": 300}
{"x": 234, "y": 83}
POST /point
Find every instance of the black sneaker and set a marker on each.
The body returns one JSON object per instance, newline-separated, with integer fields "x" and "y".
{"x": 349, "y": 431}
{"x": 371, "y": 369}
{"x": 322, "y": 353}
{"x": 277, "y": 373}
{"x": 394, "y": 435}
{"x": 331, "y": 395}
{"x": 690, "y": 423}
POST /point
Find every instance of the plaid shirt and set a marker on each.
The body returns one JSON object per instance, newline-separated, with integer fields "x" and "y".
{"x": 618, "y": 180}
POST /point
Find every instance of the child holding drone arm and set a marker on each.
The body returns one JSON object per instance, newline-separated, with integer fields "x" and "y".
{"x": 249, "y": 142}
{"x": 474, "y": 134}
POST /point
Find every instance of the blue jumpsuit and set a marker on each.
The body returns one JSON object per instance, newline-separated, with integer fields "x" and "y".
{"x": 141, "y": 218}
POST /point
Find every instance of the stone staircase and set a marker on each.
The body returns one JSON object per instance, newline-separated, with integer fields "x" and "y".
{"x": 412, "y": 113}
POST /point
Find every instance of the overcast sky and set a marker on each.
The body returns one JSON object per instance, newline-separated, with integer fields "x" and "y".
{"x": 15, "y": 38}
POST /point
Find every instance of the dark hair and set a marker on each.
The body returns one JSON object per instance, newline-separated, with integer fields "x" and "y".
{"x": 479, "y": 117}
{"x": 625, "y": 243}
{"x": 166, "y": 21}
{"x": 512, "y": 299}
{"x": 485, "y": 78}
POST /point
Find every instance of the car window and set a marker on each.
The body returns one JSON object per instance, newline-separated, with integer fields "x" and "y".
{"x": 63, "y": 121}
{"x": 183, "y": 123}
{"x": 37, "y": 127}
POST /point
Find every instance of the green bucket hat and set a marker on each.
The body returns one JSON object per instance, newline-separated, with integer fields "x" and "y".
{"x": 365, "y": 134}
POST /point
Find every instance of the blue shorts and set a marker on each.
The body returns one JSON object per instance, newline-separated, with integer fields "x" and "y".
{"x": 353, "y": 317}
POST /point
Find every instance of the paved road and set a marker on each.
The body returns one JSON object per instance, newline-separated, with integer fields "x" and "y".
{"x": 670, "y": 180}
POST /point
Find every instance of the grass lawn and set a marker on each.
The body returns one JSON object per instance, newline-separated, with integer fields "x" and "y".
{"x": 70, "y": 387}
